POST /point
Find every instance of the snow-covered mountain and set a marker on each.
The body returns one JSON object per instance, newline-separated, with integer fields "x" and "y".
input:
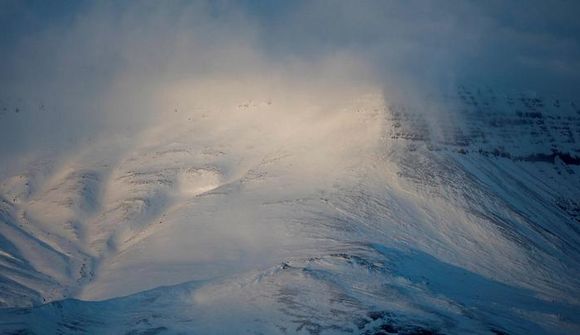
{"x": 459, "y": 215}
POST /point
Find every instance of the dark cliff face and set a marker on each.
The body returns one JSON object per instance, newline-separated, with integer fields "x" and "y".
{"x": 521, "y": 127}
{"x": 536, "y": 136}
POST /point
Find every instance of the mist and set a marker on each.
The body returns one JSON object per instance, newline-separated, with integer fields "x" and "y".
{"x": 74, "y": 73}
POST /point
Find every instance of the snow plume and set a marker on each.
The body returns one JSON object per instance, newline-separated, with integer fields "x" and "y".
{"x": 71, "y": 72}
{"x": 112, "y": 70}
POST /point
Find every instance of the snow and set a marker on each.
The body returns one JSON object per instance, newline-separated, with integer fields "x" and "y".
{"x": 270, "y": 213}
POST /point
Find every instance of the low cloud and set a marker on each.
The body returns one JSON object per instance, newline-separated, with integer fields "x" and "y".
{"x": 70, "y": 73}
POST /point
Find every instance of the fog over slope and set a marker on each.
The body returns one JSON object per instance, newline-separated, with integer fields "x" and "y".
{"x": 305, "y": 167}
{"x": 95, "y": 66}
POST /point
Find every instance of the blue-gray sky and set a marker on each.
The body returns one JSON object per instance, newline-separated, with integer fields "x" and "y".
{"x": 527, "y": 43}
{"x": 77, "y": 59}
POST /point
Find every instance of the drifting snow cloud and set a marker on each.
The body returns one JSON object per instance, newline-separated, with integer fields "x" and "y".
{"x": 70, "y": 72}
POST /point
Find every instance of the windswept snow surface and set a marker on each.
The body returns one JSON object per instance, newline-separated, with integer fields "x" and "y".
{"x": 283, "y": 215}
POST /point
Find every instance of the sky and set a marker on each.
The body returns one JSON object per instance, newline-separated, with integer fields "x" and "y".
{"x": 73, "y": 70}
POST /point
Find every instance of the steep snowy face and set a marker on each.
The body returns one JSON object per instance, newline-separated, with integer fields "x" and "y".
{"x": 508, "y": 163}
{"x": 302, "y": 213}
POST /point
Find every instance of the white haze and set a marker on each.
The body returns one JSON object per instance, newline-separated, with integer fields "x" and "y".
{"x": 112, "y": 71}
{"x": 98, "y": 68}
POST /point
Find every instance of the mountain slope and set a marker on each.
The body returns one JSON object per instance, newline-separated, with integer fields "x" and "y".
{"x": 356, "y": 216}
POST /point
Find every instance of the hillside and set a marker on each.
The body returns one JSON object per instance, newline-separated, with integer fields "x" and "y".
{"x": 263, "y": 216}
